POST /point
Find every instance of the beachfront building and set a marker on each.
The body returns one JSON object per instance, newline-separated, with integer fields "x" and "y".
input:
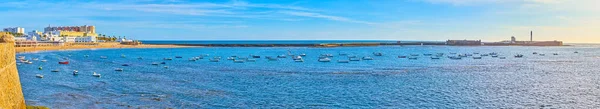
{"x": 71, "y": 34}
{"x": 84, "y": 29}
{"x": 18, "y": 30}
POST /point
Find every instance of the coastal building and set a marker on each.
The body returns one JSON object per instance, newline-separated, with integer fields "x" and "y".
{"x": 71, "y": 34}
{"x": 18, "y": 30}
{"x": 84, "y": 28}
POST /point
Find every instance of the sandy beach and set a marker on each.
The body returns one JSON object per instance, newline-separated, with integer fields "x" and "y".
{"x": 100, "y": 45}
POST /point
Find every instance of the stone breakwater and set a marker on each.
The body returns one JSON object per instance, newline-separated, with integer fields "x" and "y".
{"x": 11, "y": 94}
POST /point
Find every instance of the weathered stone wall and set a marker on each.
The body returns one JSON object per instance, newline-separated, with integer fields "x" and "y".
{"x": 11, "y": 94}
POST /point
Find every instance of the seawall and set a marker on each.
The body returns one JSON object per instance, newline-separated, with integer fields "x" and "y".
{"x": 11, "y": 94}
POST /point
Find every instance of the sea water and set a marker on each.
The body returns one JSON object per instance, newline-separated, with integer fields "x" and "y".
{"x": 566, "y": 80}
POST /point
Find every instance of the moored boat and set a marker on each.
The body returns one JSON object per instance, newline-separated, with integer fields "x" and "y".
{"x": 518, "y": 56}
{"x": 343, "y": 61}
{"x": 354, "y": 59}
{"x": 377, "y": 54}
{"x": 75, "y": 72}
{"x": 367, "y": 58}
{"x": 401, "y": 56}
{"x": 238, "y": 61}
{"x": 325, "y": 60}
{"x": 39, "y": 76}
{"x": 118, "y": 69}
{"x": 96, "y": 74}
{"x": 63, "y": 62}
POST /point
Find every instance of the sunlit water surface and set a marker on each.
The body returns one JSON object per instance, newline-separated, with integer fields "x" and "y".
{"x": 567, "y": 80}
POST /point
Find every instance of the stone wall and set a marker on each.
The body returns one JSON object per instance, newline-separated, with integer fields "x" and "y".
{"x": 11, "y": 94}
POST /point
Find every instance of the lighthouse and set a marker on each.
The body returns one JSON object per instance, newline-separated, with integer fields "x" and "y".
{"x": 531, "y": 36}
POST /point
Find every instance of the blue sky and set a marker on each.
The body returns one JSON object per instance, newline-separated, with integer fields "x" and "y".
{"x": 489, "y": 20}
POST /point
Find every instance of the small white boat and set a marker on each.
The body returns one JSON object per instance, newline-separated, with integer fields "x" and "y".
{"x": 192, "y": 59}
{"x": 39, "y": 76}
{"x": 123, "y": 55}
{"x": 154, "y": 63}
{"x": 103, "y": 57}
{"x": 44, "y": 60}
{"x": 302, "y": 54}
{"x": 75, "y": 72}
{"x": 40, "y": 68}
{"x": 327, "y": 55}
{"x": 35, "y": 59}
{"x": 299, "y": 60}
{"x": 354, "y": 59}
{"x": 217, "y": 57}
{"x": 118, "y": 69}
{"x": 55, "y": 70}
{"x": 297, "y": 57}
{"x": 343, "y": 61}
{"x": 238, "y": 61}
{"x": 325, "y": 60}
{"x": 367, "y": 58}
{"x": 166, "y": 67}
{"x": 230, "y": 58}
{"x": 96, "y": 74}
{"x": 21, "y": 57}
{"x": 28, "y": 62}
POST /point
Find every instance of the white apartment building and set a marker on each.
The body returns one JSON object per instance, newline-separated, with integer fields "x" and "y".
{"x": 14, "y": 30}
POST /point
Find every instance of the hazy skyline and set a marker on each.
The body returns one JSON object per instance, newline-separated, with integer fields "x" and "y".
{"x": 572, "y": 21}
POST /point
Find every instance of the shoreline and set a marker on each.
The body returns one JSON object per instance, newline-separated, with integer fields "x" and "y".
{"x": 99, "y": 46}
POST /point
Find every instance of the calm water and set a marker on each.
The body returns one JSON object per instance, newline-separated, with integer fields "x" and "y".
{"x": 567, "y": 80}
{"x": 266, "y": 41}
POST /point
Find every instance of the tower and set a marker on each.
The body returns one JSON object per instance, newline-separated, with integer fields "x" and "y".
{"x": 531, "y": 36}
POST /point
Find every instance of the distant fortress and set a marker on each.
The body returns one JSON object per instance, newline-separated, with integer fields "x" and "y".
{"x": 512, "y": 42}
